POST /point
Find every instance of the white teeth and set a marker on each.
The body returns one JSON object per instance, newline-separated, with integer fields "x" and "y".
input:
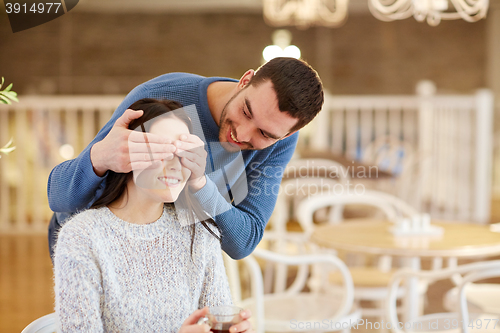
{"x": 170, "y": 180}
{"x": 232, "y": 137}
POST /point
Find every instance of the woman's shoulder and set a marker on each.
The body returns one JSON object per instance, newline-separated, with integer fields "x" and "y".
{"x": 80, "y": 239}
{"x": 73, "y": 239}
{"x": 82, "y": 224}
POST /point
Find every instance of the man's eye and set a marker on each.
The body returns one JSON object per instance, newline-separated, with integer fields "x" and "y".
{"x": 264, "y": 135}
{"x": 246, "y": 115}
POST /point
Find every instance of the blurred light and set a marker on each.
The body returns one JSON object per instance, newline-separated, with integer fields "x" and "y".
{"x": 271, "y": 52}
{"x": 281, "y": 48}
{"x": 292, "y": 51}
{"x": 67, "y": 151}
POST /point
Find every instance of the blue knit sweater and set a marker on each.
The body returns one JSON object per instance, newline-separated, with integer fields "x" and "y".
{"x": 253, "y": 184}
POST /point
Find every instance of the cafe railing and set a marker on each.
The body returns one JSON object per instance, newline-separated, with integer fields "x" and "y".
{"x": 46, "y": 130}
{"x": 452, "y": 135}
{"x": 496, "y": 162}
{"x": 454, "y": 130}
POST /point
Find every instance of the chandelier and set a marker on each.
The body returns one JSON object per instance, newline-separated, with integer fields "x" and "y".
{"x": 305, "y": 13}
{"x": 332, "y": 13}
{"x": 432, "y": 10}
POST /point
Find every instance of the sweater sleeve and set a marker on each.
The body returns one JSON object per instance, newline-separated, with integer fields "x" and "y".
{"x": 73, "y": 185}
{"x": 243, "y": 225}
{"x": 78, "y": 288}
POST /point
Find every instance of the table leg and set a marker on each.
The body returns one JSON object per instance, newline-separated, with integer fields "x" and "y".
{"x": 411, "y": 301}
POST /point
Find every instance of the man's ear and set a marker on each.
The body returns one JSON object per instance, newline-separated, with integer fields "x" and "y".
{"x": 245, "y": 79}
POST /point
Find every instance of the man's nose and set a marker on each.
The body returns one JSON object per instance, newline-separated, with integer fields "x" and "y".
{"x": 244, "y": 132}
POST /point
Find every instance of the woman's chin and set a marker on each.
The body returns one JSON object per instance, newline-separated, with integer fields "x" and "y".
{"x": 170, "y": 198}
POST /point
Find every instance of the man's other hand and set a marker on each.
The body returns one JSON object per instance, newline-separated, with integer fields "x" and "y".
{"x": 190, "y": 149}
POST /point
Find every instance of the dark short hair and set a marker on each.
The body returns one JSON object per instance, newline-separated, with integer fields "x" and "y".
{"x": 297, "y": 85}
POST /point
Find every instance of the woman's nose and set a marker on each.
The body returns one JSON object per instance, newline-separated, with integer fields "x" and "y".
{"x": 173, "y": 164}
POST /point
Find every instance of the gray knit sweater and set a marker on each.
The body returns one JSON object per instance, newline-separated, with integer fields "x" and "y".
{"x": 114, "y": 276}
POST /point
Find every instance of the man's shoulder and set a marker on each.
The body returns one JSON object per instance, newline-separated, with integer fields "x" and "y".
{"x": 178, "y": 78}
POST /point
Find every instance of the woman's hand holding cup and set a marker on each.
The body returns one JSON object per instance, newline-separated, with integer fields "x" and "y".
{"x": 191, "y": 324}
{"x": 227, "y": 319}
{"x": 244, "y": 325}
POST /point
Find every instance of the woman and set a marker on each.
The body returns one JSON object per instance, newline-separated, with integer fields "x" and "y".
{"x": 135, "y": 262}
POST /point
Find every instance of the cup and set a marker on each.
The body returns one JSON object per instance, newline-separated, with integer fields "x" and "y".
{"x": 221, "y": 318}
{"x": 404, "y": 225}
{"x": 426, "y": 222}
{"x": 416, "y": 224}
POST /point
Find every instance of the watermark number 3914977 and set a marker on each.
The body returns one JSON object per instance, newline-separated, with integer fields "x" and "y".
{"x": 39, "y": 8}
{"x": 26, "y": 14}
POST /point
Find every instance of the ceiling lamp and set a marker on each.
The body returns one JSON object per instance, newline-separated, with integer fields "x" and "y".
{"x": 305, "y": 13}
{"x": 432, "y": 10}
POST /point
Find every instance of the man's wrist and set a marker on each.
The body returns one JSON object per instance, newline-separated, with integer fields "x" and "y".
{"x": 98, "y": 170}
{"x": 198, "y": 184}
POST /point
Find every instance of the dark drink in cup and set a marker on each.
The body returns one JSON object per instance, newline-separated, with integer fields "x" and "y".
{"x": 221, "y": 327}
{"x": 221, "y": 318}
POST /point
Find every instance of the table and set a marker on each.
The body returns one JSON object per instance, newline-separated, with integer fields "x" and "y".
{"x": 459, "y": 240}
{"x": 462, "y": 240}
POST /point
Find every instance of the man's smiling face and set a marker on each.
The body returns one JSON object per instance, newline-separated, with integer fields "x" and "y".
{"x": 251, "y": 120}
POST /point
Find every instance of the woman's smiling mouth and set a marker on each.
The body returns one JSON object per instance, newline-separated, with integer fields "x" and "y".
{"x": 170, "y": 181}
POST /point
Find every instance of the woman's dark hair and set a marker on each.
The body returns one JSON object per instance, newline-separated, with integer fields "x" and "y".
{"x": 116, "y": 183}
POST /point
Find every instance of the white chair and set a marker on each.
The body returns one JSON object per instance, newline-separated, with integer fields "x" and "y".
{"x": 294, "y": 309}
{"x": 301, "y": 178}
{"x": 480, "y": 296}
{"x": 463, "y": 321}
{"x": 316, "y": 167}
{"x": 409, "y": 168}
{"x": 45, "y": 324}
{"x": 391, "y": 206}
{"x": 389, "y": 153}
{"x": 292, "y": 191}
{"x": 370, "y": 281}
{"x": 306, "y": 176}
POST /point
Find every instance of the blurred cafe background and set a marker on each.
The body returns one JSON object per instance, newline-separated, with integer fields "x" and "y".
{"x": 412, "y": 111}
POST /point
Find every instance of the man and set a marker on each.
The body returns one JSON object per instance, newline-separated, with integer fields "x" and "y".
{"x": 258, "y": 115}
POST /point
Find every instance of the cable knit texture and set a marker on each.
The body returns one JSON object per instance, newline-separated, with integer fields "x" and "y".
{"x": 114, "y": 276}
